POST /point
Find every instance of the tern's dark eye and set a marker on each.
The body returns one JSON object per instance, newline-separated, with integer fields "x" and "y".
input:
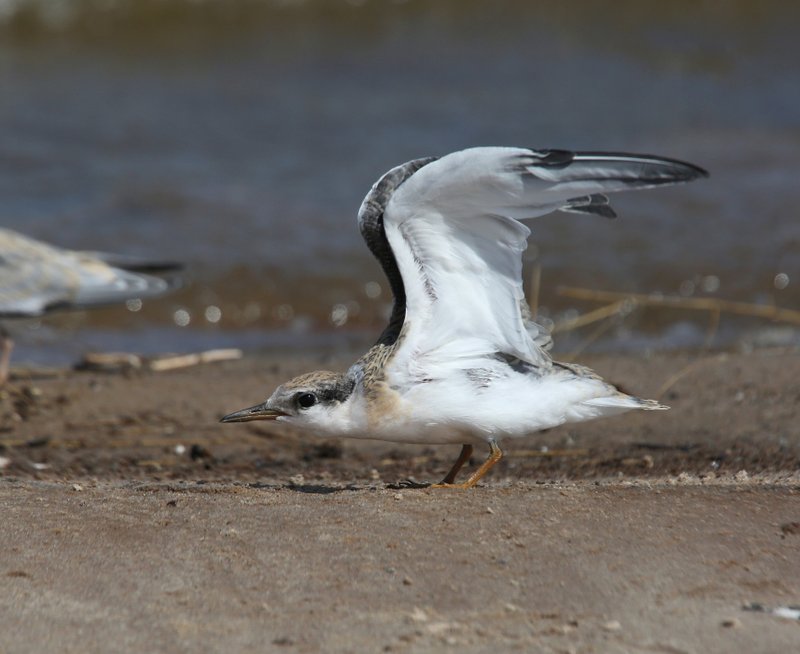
{"x": 306, "y": 400}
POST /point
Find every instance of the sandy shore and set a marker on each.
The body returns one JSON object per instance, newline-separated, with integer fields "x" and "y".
{"x": 132, "y": 520}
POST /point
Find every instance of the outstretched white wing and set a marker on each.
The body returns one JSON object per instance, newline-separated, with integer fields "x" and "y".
{"x": 454, "y": 230}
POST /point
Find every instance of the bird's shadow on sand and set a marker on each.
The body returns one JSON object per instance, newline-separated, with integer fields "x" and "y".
{"x": 313, "y": 489}
{"x": 203, "y": 486}
{"x": 323, "y": 489}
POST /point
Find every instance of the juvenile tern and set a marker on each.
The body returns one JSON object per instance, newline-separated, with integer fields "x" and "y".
{"x": 37, "y": 278}
{"x": 461, "y": 361}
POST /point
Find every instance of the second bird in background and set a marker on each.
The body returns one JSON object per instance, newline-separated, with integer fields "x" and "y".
{"x": 37, "y": 278}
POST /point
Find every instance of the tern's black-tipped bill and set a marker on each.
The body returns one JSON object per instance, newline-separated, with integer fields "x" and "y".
{"x": 258, "y": 412}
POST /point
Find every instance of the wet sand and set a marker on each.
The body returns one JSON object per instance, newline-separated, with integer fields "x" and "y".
{"x": 132, "y": 518}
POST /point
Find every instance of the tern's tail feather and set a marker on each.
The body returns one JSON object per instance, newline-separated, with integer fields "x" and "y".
{"x": 622, "y": 401}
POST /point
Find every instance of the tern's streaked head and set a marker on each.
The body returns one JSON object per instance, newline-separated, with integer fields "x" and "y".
{"x": 315, "y": 399}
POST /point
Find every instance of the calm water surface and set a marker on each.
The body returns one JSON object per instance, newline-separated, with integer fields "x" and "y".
{"x": 240, "y": 137}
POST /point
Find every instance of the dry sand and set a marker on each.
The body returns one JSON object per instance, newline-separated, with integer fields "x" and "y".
{"x": 133, "y": 521}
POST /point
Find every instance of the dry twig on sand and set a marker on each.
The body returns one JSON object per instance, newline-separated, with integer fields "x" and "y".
{"x": 769, "y": 311}
{"x": 620, "y": 304}
{"x": 116, "y": 361}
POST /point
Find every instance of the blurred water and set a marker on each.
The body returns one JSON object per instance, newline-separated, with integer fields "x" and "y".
{"x": 241, "y": 135}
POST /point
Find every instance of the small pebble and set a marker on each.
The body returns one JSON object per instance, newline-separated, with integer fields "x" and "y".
{"x": 407, "y": 581}
{"x": 4, "y": 462}
{"x": 612, "y": 625}
{"x": 790, "y": 528}
{"x": 441, "y": 628}
{"x": 77, "y": 488}
{"x": 489, "y": 509}
{"x": 791, "y": 612}
{"x": 199, "y": 452}
{"x": 398, "y": 496}
{"x": 741, "y": 476}
{"x": 418, "y": 615}
{"x": 731, "y": 623}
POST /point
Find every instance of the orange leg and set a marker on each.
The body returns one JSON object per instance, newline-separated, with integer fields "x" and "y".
{"x": 494, "y": 456}
{"x": 466, "y": 452}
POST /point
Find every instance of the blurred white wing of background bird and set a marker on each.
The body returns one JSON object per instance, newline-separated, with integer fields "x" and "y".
{"x": 37, "y": 278}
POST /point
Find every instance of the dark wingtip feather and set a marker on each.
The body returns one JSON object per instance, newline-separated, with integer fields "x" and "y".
{"x": 552, "y": 158}
{"x": 597, "y": 204}
{"x": 137, "y": 264}
{"x": 680, "y": 170}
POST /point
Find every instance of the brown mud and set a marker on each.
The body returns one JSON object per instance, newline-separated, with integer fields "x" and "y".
{"x": 132, "y": 517}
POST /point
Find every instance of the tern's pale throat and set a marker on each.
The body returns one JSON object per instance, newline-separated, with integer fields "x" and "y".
{"x": 461, "y": 360}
